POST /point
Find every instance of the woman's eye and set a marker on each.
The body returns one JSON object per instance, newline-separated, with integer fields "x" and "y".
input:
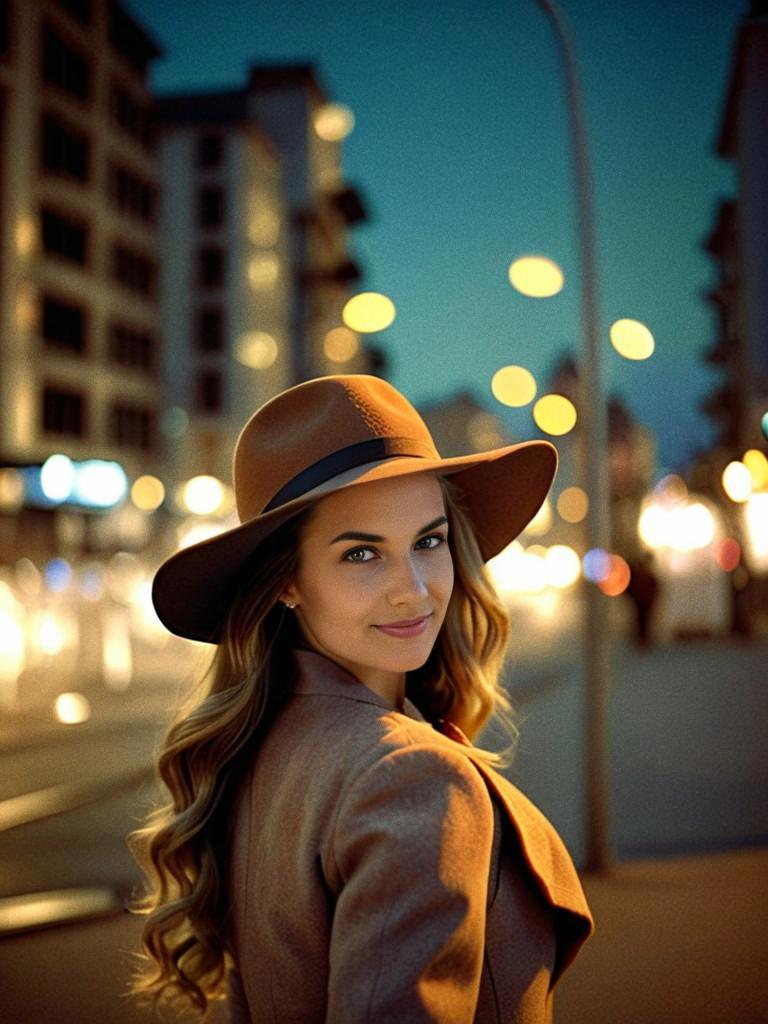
{"x": 350, "y": 555}
{"x": 438, "y": 538}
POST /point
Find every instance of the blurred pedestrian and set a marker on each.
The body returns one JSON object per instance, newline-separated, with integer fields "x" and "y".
{"x": 335, "y": 847}
{"x": 643, "y": 592}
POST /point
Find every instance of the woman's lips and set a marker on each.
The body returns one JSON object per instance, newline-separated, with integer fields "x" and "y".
{"x": 414, "y": 628}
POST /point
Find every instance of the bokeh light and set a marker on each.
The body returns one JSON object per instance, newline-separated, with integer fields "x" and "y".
{"x": 514, "y": 386}
{"x": 632, "y": 339}
{"x": 562, "y": 566}
{"x": 202, "y": 495}
{"x": 72, "y": 708}
{"x": 596, "y": 565}
{"x": 536, "y": 276}
{"x": 368, "y": 312}
{"x": 617, "y": 579}
{"x": 11, "y": 489}
{"x": 57, "y": 574}
{"x": 756, "y": 533}
{"x": 264, "y": 270}
{"x": 341, "y": 344}
{"x": 555, "y": 414}
{"x": 147, "y": 493}
{"x": 333, "y": 122}
{"x": 572, "y": 504}
{"x": 757, "y": 464}
{"x": 737, "y": 482}
{"x": 257, "y": 349}
{"x": 672, "y": 488}
{"x": 57, "y": 477}
{"x": 728, "y": 554}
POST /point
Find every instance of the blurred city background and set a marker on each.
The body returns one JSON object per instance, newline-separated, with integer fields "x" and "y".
{"x": 202, "y": 204}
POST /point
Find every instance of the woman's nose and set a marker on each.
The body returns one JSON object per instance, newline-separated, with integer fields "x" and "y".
{"x": 407, "y": 584}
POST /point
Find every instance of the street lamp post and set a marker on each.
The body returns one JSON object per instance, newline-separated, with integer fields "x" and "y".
{"x": 594, "y": 462}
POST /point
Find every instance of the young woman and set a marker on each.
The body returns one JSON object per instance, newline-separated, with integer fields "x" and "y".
{"x": 335, "y": 848}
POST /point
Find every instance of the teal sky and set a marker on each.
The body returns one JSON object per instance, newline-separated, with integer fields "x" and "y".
{"x": 461, "y": 152}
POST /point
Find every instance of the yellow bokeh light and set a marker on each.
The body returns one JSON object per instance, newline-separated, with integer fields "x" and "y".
{"x": 257, "y": 349}
{"x": 562, "y": 566}
{"x": 737, "y": 482}
{"x": 26, "y": 235}
{"x": 264, "y": 227}
{"x": 72, "y": 708}
{"x": 147, "y": 493}
{"x": 632, "y": 339}
{"x": 483, "y": 431}
{"x": 554, "y": 414}
{"x": 27, "y": 307}
{"x": 573, "y": 504}
{"x": 514, "y": 386}
{"x": 536, "y": 276}
{"x": 757, "y": 464}
{"x": 202, "y": 495}
{"x": 369, "y": 312}
{"x": 333, "y": 122}
{"x": 341, "y": 344}
{"x": 264, "y": 270}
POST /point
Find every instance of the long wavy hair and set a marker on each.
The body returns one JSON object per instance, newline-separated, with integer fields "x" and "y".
{"x": 182, "y": 847}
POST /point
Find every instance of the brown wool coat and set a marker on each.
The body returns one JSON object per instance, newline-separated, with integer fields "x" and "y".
{"x": 380, "y": 872}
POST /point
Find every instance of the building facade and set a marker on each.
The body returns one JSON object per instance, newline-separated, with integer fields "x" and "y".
{"x": 256, "y": 271}
{"x": 79, "y": 346}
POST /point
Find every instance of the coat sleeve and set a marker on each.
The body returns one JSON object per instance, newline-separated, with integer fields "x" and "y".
{"x": 412, "y": 848}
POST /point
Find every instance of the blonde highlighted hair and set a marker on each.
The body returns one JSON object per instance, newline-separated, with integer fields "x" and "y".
{"x": 182, "y": 848}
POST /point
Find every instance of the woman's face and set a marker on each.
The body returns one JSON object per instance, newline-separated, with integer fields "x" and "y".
{"x": 371, "y": 556}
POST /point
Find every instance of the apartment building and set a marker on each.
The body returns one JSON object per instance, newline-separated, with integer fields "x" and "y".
{"x": 79, "y": 343}
{"x": 255, "y": 265}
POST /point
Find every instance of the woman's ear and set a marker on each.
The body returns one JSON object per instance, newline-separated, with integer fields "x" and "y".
{"x": 289, "y": 596}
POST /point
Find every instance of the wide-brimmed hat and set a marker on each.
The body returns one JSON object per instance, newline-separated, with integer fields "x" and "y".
{"x": 320, "y": 436}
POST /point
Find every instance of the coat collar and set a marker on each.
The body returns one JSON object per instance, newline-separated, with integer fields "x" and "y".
{"x": 322, "y": 676}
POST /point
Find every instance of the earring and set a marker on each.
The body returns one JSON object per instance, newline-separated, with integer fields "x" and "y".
{"x": 289, "y": 604}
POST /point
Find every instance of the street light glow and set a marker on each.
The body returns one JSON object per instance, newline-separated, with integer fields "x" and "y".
{"x": 333, "y": 122}
{"x": 202, "y": 495}
{"x": 757, "y": 464}
{"x": 632, "y": 339}
{"x": 341, "y": 344}
{"x": 264, "y": 270}
{"x": 514, "y": 386}
{"x": 573, "y": 504}
{"x": 256, "y": 349}
{"x": 72, "y": 708}
{"x": 737, "y": 482}
{"x": 536, "y": 276}
{"x": 562, "y": 566}
{"x": 147, "y": 493}
{"x": 368, "y": 312}
{"x": 554, "y": 414}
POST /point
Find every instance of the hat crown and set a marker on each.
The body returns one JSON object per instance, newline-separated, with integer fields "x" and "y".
{"x": 315, "y": 421}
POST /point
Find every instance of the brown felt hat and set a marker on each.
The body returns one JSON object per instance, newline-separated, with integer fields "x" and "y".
{"x": 323, "y": 435}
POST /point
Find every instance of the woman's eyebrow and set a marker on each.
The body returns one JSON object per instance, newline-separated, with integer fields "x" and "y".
{"x": 376, "y": 539}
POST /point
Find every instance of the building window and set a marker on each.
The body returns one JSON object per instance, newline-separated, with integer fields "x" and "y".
{"x": 210, "y": 330}
{"x": 210, "y": 207}
{"x": 131, "y": 346}
{"x": 63, "y": 412}
{"x": 6, "y": 20}
{"x": 210, "y": 264}
{"x": 80, "y": 10}
{"x": 64, "y": 324}
{"x": 131, "y": 426}
{"x": 210, "y": 150}
{"x": 64, "y": 66}
{"x": 63, "y": 236}
{"x": 130, "y": 193}
{"x": 208, "y": 391}
{"x": 129, "y": 40}
{"x": 133, "y": 270}
{"x": 132, "y": 116}
{"x": 63, "y": 149}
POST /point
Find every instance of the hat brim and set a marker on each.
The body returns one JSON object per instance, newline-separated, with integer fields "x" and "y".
{"x": 501, "y": 490}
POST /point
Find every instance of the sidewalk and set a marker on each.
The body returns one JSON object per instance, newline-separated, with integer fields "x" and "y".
{"x": 678, "y": 941}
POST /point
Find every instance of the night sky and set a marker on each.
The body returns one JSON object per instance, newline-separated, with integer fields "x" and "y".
{"x": 461, "y": 151}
